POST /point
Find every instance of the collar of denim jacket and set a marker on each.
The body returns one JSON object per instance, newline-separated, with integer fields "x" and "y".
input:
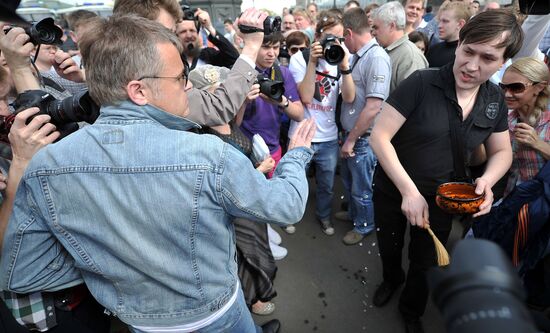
{"x": 128, "y": 111}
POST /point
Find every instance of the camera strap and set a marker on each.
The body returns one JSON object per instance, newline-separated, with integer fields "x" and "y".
{"x": 246, "y": 29}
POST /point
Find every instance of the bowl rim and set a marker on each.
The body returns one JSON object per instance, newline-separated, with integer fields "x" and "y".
{"x": 458, "y": 199}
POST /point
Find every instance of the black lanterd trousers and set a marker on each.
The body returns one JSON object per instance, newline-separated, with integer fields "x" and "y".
{"x": 391, "y": 225}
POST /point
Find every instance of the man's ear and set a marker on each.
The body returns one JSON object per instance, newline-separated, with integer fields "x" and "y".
{"x": 461, "y": 23}
{"x": 136, "y": 92}
{"x": 73, "y": 36}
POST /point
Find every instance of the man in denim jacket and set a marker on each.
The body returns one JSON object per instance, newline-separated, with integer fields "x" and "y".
{"x": 138, "y": 208}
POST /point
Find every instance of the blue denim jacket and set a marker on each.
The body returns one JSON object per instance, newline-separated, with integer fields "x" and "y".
{"x": 141, "y": 211}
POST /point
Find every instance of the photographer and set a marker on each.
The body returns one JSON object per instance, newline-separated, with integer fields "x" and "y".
{"x": 319, "y": 83}
{"x": 225, "y": 54}
{"x": 263, "y": 115}
{"x": 71, "y": 309}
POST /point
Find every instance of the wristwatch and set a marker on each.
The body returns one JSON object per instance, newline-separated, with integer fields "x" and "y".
{"x": 286, "y": 104}
{"x": 345, "y": 72}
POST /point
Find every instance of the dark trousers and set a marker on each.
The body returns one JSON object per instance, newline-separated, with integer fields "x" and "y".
{"x": 391, "y": 225}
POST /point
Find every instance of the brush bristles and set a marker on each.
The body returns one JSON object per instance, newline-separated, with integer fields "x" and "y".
{"x": 442, "y": 254}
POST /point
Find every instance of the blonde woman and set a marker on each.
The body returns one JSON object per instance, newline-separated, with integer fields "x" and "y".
{"x": 526, "y": 91}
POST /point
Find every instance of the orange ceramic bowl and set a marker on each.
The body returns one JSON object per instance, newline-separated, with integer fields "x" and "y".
{"x": 458, "y": 198}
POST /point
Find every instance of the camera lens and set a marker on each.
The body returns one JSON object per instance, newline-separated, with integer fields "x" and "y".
{"x": 334, "y": 54}
{"x": 480, "y": 293}
{"x": 45, "y": 32}
{"x": 77, "y": 108}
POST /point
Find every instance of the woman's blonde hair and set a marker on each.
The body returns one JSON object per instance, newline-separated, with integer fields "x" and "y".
{"x": 535, "y": 71}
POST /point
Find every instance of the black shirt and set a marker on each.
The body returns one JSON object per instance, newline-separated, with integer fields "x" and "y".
{"x": 442, "y": 53}
{"x": 423, "y": 144}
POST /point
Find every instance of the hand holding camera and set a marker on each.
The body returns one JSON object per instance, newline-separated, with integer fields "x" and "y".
{"x": 315, "y": 52}
{"x": 204, "y": 19}
{"x": 251, "y": 18}
{"x": 26, "y": 140}
{"x": 16, "y": 47}
{"x": 253, "y": 93}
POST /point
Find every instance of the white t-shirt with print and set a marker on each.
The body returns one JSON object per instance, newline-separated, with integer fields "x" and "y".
{"x": 323, "y": 105}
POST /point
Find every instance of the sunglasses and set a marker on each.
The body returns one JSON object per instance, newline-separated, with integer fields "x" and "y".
{"x": 295, "y": 49}
{"x": 516, "y": 87}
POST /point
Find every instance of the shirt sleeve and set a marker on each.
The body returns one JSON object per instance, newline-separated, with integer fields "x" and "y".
{"x": 297, "y": 67}
{"x": 291, "y": 89}
{"x": 280, "y": 200}
{"x": 376, "y": 76}
{"x": 406, "y": 97}
{"x": 32, "y": 258}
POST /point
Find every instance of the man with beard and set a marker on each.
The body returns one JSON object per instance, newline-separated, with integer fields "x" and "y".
{"x": 224, "y": 54}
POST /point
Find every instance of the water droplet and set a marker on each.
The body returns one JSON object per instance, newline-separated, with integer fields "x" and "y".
{"x": 352, "y": 111}
{"x": 364, "y": 310}
{"x": 370, "y": 306}
{"x": 377, "y": 229}
{"x": 360, "y": 244}
{"x": 374, "y": 244}
{"x": 366, "y": 269}
{"x": 342, "y": 197}
{"x": 369, "y": 252}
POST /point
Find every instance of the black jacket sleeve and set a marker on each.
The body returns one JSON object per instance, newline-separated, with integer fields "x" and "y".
{"x": 225, "y": 55}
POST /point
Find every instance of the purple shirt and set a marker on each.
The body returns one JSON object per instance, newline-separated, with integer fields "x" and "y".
{"x": 266, "y": 118}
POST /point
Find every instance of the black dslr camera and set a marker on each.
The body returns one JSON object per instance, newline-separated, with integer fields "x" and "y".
{"x": 189, "y": 15}
{"x": 43, "y": 32}
{"x": 480, "y": 293}
{"x": 271, "y": 88}
{"x": 332, "y": 51}
{"x": 65, "y": 114}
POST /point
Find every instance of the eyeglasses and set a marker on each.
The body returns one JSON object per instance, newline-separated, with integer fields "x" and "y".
{"x": 516, "y": 87}
{"x": 182, "y": 78}
{"x": 295, "y": 49}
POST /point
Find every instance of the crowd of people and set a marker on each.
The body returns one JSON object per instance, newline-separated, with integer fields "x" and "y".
{"x": 164, "y": 209}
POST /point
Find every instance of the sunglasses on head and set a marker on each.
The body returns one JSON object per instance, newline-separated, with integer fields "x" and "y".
{"x": 516, "y": 87}
{"x": 295, "y": 49}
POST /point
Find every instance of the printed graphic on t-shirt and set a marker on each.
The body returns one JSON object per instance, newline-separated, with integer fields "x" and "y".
{"x": 323, "y": 87}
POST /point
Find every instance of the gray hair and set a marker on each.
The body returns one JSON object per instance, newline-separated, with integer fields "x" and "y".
{"x": 120, "y": 49}
{"x": 391, "y": 12}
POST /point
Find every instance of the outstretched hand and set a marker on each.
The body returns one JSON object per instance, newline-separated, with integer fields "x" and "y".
{"x": 304, "y": 134}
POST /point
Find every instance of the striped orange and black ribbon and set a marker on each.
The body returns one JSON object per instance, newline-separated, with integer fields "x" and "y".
{"x": 520, "y": 238}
